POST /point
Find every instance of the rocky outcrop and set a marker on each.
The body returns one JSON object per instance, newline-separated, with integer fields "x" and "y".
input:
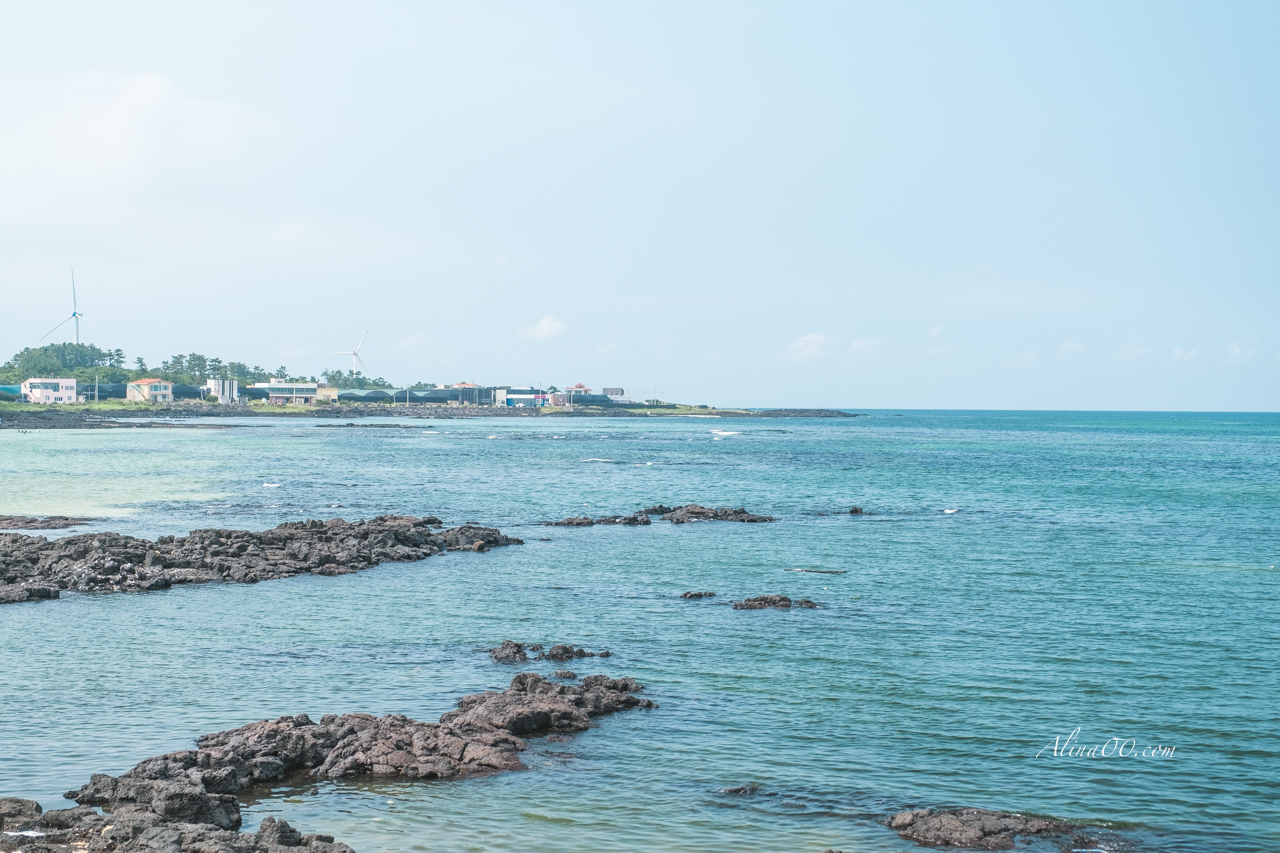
{"x": 629, "y": 520}
{"x": 53, "y": 522}
{"x": 695, "y": 595}
{"x": 974, "y": 829}
{"x": 188, "y": 800}
{"x": 512, "y": 652}
{"x": 567, "y": 652}
{"x": 582, "y": 521}
{"x": 132, "y": 830}
{"x": 781, "y": 602}
{"x": 33, "y": 567}
{"x": 694, "y": 512}
{"x": 675, "y": 515}
{"x": 857, "y": 510}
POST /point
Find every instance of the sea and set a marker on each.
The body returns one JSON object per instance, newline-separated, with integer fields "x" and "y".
{"x": 1073, "y": 614}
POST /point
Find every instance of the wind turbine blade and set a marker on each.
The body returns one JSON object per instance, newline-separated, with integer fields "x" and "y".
{"x": 74, "y": 309}
{"x": 57, "y": 327}
{"x": 90, "y": 322}
{"x": 341, "y": 353}
{"x": 366, "y": 334}
{"x": 362, "y": 365}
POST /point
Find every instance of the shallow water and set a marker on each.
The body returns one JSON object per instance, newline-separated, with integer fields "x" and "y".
{"x": 1112, "y": 572}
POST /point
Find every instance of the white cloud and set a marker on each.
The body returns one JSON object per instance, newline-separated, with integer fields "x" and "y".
{"x": 1135, "y": 350}
{"x": 547, "y": 327}
{"x": 1183, "y": 355}
{"x": 812, "y": 346}
{"x": 1242, "y": 350}
{"x": 935, "y": 331}
{"x": 862, "y": 346}
{"x": 1070, "y": 346}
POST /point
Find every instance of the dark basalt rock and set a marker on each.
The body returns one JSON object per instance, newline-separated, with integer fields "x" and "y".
{"x": 509, "y": 652}
{"x": 53, "y": 522}
{"x": 581, "y": 521}
{"x": 857, "y": 510}
{"x": 741, "y": 790}
{"x": 630, "y": 520}
{"x": 188, "y": 800}
{"x": 33, "y": 567}
{"x": 660, "y": 509}
{"x": 693, "y": 595}
{"x": 761, "y": 602}
{"x": 565, "y": 673}
{"x": 975, "y": 829}
{"x": 567, "y": 652}
{"x": 694, "y": 512}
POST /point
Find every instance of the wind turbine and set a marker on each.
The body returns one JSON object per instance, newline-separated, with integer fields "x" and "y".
{"x": 355, "y": 354}
{"x": 75, "y": 314}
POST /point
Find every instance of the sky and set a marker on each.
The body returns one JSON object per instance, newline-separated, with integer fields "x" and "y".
{"x": 861, "y": 205}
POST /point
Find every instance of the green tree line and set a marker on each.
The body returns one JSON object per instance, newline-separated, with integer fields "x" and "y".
{"x": 85, "y": 362}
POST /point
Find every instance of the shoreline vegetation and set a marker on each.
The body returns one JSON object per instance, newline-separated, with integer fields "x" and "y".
{"x": 114, "y": 414}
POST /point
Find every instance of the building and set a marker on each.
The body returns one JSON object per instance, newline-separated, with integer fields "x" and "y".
{"x": 49, "y": 391}
{"x": 614, "y": 392}
{"x": 226, "y": 390}
{"x": 326, "y": 394}
{"x": 150, "y": 391}
{"x": 520, "y": 397}
{"x": 281, "y": 392}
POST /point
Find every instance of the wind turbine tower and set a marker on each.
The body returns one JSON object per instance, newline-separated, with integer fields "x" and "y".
{"x": 355, "y": 355}
{"x": 75, "y": 313}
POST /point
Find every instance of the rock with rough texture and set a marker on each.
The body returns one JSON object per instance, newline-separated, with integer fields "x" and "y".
{"x": 565, "y": 652}
{"x": 857, "y": 510}
{"x": 781, "y": 602}
{"x": 975, "y": 829}
{"x": 659, "y": 509}
{"x": 581, "y": 521}
{"x": 53, "y": 522}
{"x": 630, "y": 520}
{"x": 565, "y": 673}
{"x": 509, "y": 652}
{"x": 33, "y": 567}
{"x": 694, "y": 595}
{"x": 187, "y": 800}
{"x": 694, "y": 512}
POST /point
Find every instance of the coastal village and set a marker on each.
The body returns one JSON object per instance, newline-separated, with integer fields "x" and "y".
{"x": 280, "y": 391}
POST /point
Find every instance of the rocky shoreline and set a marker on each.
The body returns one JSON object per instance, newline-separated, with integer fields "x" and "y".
{"x": 981, "y": 829}
{"x": 188, "y": 800}
{"x": 70, "y": 417}
{"x": 52, "y": 522}
{"x": 34, "y": 568}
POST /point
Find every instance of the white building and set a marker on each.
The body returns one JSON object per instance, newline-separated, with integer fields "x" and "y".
{"x": 49, "y": 391}
{"x": 226, "y": 390}
{"x": 149, "y": 391}
{"x": 282, "y": 392}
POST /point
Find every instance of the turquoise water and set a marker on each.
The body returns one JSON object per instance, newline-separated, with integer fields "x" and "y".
{"x": 1112, "y": 572}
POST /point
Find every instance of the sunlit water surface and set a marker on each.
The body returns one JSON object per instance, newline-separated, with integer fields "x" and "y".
{"x": 1110, "y": 572}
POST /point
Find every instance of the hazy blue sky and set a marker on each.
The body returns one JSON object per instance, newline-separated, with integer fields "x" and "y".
{"x": 961, "y": 205}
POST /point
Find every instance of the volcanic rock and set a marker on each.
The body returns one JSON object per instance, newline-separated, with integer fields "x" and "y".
{"x": 567, "y": 652}
{"x": 697, "y": 595}
{"x": 33, "y": 567}
{"x": 857, "y": 510}
{"x": 53, "y": 522}
{"x": 694, "y": 512}
{"x": 763, "y": 601}
{"x": 660, "y": 509}
{"x": 581, "y": 521}
{"x": 975, "y": 829}
{"x": 509, "y": 652}
{"x": 565, "y": 673}
{"x": 188, "y": 800}
{"x": 631, "y": 520}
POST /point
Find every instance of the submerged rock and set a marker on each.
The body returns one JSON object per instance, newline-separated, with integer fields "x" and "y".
{"x": 975, "y": 829}
{"x": 658, "y": 509}
{"x": 693, "y": 595}
{"x": 581, "y": 521}
{"x": 33, "y": 567}
{"x": 188, "y": 800}
{"x": 565, "y": 652}
{"x": 694, "y": 512}
{"x": 630, "y": 520}
{"x": 761, "y": 602}
{"x": 52, "y": 522}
